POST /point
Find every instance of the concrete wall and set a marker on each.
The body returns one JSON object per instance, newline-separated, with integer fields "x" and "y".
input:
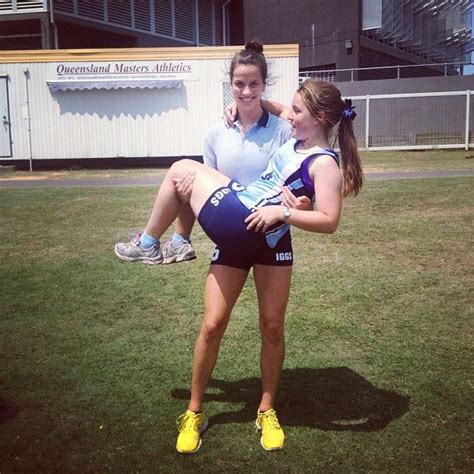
{"x": 320, "y": 27}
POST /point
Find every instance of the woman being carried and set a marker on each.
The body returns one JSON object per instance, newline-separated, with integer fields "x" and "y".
{"x": 241, "y": 151}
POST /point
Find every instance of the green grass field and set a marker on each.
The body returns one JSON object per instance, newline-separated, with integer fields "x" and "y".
{"x": 97, "y": 353}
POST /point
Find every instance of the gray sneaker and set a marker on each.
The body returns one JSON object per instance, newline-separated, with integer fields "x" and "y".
{"x": 178, "y": 254}
{"x": 132, "y": 251}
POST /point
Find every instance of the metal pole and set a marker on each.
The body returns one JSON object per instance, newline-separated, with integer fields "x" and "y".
{"x": 106, "y": 12}
{"x": 173, "y": 19}
{"x": 28, "y": 116}
{"x": 196, "y": 21}
{"x": 132, "y": 13}
{"x": 213, "y": 6}
{"x": 53, "y": 24}
{"x": 224, "y": 23}
{"x": 367, "y": 109}
{"x": 468, "y": 99}
{"x": 152, "y": 17}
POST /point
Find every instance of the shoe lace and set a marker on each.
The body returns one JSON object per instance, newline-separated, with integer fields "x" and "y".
{"x": 135, "y": 240}
{"x": 269, "y": 418}
{"x": 186, "y": 422}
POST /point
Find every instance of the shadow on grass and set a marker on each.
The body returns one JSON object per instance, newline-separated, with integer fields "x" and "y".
{"x": 7, "y": 410}
{"x": 330, "y": 399}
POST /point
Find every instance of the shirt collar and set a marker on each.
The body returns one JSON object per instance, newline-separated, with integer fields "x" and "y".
{"x": 262, "y": 121}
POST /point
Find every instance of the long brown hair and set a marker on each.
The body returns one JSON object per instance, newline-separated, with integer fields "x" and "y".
{"x": 325, "y": 103}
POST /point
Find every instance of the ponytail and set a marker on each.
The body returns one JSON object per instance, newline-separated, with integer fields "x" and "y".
{"x": 351, "y": 164}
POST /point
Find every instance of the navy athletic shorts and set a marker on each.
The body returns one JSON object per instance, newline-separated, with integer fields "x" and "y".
{"x": 222, "y": 218}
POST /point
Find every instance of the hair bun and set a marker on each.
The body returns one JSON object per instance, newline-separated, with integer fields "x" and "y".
{"x": 254, "y": 46}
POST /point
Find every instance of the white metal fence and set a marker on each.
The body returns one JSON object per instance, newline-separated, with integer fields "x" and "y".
{"x": 415, "y": 121}
{"x": 397, "y": 71}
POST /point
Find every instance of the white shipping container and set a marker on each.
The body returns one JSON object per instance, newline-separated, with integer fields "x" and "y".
{"x": 133, "y": 103}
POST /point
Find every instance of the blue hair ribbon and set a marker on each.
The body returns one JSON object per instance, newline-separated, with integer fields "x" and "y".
{"x": 349, "y": 113}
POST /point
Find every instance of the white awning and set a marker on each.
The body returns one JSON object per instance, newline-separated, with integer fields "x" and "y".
{"x": 72, "y": 85}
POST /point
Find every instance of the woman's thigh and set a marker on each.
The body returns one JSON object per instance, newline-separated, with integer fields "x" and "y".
{"x": 273, "y": 290}
{"x": 223, "y": 286}
{"x": 206, "y": 181}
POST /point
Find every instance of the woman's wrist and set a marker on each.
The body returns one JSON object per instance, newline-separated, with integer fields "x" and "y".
{"x": 286, "y": 213}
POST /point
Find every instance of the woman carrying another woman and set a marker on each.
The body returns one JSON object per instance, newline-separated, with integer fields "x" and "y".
{"x": 250, "y": 222}
{"x": 241, "y": 152}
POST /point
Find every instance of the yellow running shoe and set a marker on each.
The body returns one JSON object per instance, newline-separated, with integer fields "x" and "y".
{"x": 272, "y": 434}
{"x": 190, "y": 427}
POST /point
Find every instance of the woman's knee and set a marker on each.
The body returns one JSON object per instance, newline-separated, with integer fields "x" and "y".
{"x": 272, "y": 329}
{"x": 213, "y": 329}
{"x": 185, "y": 165}
{"x": 179, "y": 167}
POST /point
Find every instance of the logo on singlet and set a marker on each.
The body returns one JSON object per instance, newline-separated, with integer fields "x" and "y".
{"x": 267, "y": 176}
{"x": 237, "y": 187}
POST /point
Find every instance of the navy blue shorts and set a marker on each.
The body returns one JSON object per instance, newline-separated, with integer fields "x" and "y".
{"x": 222, "y": 218}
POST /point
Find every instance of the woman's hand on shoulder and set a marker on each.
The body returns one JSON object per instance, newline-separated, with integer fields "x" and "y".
{"x": 285, "y": 114}
{"x": 229, "y": 115}
{"x": 275, "y": 108}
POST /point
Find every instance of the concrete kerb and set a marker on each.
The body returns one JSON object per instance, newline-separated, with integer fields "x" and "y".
{"x": 155, "y": 181}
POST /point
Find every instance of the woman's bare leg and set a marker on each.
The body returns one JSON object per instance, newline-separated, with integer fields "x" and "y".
{"x": 167, "y": 203}
{"x": 223, "y": 287}
{"x": 273, "y": 289}
{"x": 185, "y": 221}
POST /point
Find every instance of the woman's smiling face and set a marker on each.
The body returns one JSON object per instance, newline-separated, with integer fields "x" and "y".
{"x": 247, "y": 86}
{"x": 302, "y": 122}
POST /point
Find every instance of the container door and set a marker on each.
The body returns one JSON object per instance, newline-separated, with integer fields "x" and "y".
{"x": 5, "y": 131}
